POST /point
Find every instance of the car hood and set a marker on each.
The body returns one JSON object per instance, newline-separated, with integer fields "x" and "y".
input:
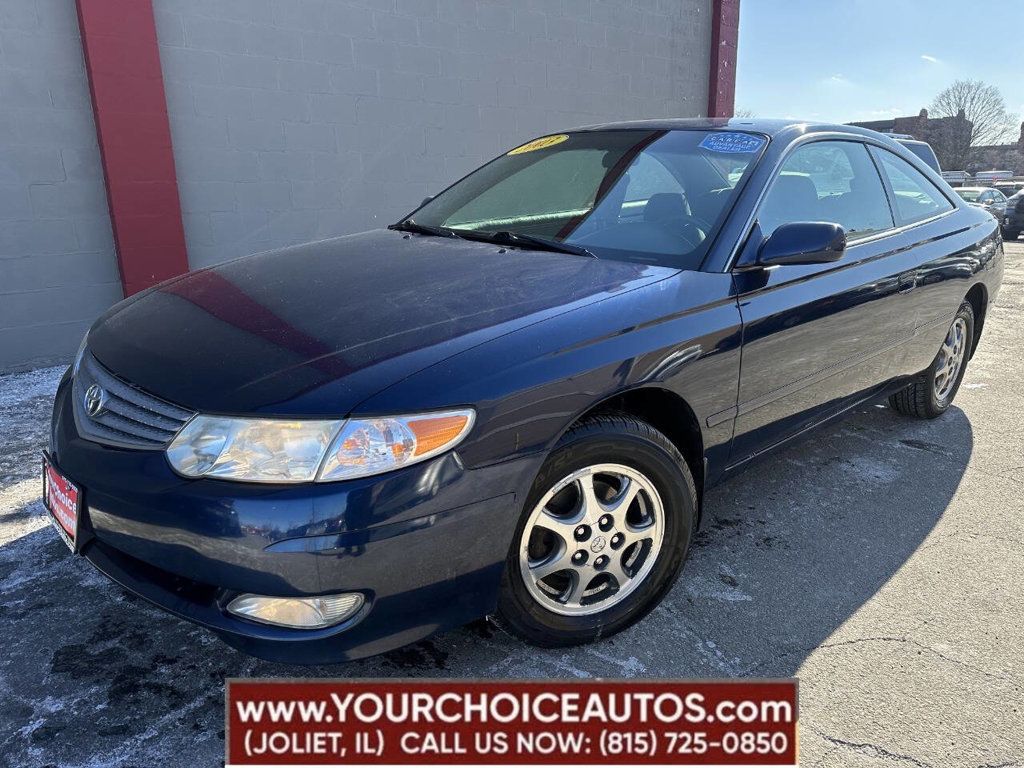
{"x": 318, "y": 328}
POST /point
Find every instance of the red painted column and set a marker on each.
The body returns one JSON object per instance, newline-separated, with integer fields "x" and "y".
{"x": 725, "y": 32}
{"x": 123, "y": 63}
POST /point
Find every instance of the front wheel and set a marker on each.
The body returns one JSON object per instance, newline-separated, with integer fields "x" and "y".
{"x": 1010, "y": 233}
{"x": 932, "y": 392}
{"x": 603, "y": 535}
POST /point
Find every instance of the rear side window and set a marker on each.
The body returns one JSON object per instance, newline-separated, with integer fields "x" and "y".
{"x": 915, "y": 197}
{"x": 833, "y": 181}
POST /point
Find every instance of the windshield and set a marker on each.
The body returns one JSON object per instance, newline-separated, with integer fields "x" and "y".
{"x": 654, "y": 197}
{"x": 970, "y": 195}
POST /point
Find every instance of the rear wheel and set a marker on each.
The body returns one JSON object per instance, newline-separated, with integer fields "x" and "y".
{"x": 1009, "y": 233}
{"x": 603, "y": 535}
{"x": 931, "y": 393}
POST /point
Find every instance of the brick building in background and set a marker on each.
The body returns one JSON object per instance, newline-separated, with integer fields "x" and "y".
{"x": 141, "y": 138}
{"x": 945, "y": 132}
{"x": 940, "y": 132}
{"x": 999, "y": 157}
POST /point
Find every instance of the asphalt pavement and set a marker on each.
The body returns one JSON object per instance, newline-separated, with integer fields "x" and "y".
{"x": 881, "y": 562}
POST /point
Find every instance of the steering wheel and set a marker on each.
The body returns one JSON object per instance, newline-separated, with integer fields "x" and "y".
{"x": 694, "y": 229}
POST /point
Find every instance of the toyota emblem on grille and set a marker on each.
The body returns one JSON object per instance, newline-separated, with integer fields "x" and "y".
{"x": 95, "y": 400}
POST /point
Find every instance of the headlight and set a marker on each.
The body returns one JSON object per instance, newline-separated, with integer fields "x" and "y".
{"x": 371, "y": 446}
{"x": 299, "y": 451}
{"x": 253, "y": 450}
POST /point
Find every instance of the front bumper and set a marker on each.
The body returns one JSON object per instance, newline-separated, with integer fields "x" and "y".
{"x": 425, "y": 545}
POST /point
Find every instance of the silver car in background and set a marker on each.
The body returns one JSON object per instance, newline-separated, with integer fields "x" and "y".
{"x": 992, "y": 200}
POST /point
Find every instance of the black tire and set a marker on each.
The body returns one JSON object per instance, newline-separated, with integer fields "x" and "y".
{"x": 617, "y": 439}
{"x": 1010, "y": 234}
{"x": 919, "y": 398}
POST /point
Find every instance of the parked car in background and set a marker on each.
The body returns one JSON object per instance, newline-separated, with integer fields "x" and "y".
{"x": 1013, "y": 216}
{"x": 1008, "y": 188}
{"x": 510, "y": 402}
{"x": 992, "y": 200}
{"x": 956, "y": 178}
{"x": 924, "y": 151}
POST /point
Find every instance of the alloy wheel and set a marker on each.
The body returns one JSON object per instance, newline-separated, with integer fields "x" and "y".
{"x": 592, "y": 539}
{"x": 951, "y": 358}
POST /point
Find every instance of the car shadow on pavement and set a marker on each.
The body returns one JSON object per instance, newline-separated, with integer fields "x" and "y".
{"x": 794, "y": 547}
{"x": 788, "y": 551}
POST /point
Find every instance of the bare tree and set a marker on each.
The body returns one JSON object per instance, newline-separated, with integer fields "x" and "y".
{"x": 983, "y": 106}
{"x": 744, "y": 113}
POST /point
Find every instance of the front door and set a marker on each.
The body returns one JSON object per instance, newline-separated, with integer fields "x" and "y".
{"x": 817, "y": 338}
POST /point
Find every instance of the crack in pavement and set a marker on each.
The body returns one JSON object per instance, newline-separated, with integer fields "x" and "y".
{"x": 872, "y": 750}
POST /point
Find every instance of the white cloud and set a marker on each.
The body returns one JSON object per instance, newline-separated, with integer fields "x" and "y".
{"x": 836, "y": 79}
{"x": 929, "y": 59}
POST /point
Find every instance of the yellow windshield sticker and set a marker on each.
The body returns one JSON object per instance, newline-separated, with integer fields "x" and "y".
{"x": 544, "y": 143}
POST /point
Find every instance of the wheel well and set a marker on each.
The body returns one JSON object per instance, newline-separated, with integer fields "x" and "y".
{"x": 979, "y": 301}
{"x": 672, "y": 416}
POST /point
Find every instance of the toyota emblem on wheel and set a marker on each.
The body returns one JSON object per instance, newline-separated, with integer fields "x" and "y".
{"x": 95, "y": 400}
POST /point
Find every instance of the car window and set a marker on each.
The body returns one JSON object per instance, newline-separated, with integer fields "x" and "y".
{"x": 914, "y": 196}
{"x": 970, "y": 195}
{"x": 832, "y": 181}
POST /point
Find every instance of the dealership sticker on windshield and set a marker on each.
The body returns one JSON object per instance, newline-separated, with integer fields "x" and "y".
{"x": 544, "y": 143}
{"x": 732, "y": 142}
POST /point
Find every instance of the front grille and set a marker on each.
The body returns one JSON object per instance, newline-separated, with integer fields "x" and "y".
{"x": 129, "y": 418}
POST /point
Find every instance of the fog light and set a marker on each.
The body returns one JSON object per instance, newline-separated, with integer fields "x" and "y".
{"x": 298, "y": 612}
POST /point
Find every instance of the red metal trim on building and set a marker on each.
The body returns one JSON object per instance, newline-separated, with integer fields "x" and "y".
{"x": 123, "y": 63}
{"x": 725, "y": 32}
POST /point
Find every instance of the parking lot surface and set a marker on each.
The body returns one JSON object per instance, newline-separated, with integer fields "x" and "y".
{"x": 881, "y": 562}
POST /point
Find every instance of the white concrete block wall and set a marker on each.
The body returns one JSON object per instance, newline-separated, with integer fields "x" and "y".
{"x": 58, "y": 270}
{"x": 295, "y": 120}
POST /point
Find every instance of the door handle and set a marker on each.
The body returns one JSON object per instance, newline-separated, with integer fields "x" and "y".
{"x": 906, "y": 283}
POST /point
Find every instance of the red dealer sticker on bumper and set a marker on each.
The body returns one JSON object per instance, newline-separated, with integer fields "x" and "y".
{"x": 297, "y": 722}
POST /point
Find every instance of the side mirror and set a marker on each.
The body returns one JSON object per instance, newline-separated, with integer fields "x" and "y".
{"x": 803, "y": 242}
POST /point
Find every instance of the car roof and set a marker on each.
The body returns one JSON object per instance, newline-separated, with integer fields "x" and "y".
{"x": 971, "y": 189}
{"x": 767, "y": 126}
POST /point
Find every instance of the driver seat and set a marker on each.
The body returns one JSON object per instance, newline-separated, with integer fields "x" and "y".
{"x": 665, "y": 208}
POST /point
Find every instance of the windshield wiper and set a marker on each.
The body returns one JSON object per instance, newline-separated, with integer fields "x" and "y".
{"x": 504, "y": 237}
{"x": 423, "y": 229}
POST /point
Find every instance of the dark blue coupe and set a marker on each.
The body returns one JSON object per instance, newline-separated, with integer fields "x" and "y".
{"x": 510, "y": 403}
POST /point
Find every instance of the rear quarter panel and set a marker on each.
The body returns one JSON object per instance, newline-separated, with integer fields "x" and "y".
{"x": 965, "y": 250}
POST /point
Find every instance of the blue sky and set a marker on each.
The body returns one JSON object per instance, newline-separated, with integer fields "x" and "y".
{"x": 844, "y": 60}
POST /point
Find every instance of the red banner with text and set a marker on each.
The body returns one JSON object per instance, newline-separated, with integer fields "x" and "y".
{"x": 366, "y": 722}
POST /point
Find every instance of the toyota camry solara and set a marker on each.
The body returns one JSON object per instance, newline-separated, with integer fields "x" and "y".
{"x": 511, "y": 402}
